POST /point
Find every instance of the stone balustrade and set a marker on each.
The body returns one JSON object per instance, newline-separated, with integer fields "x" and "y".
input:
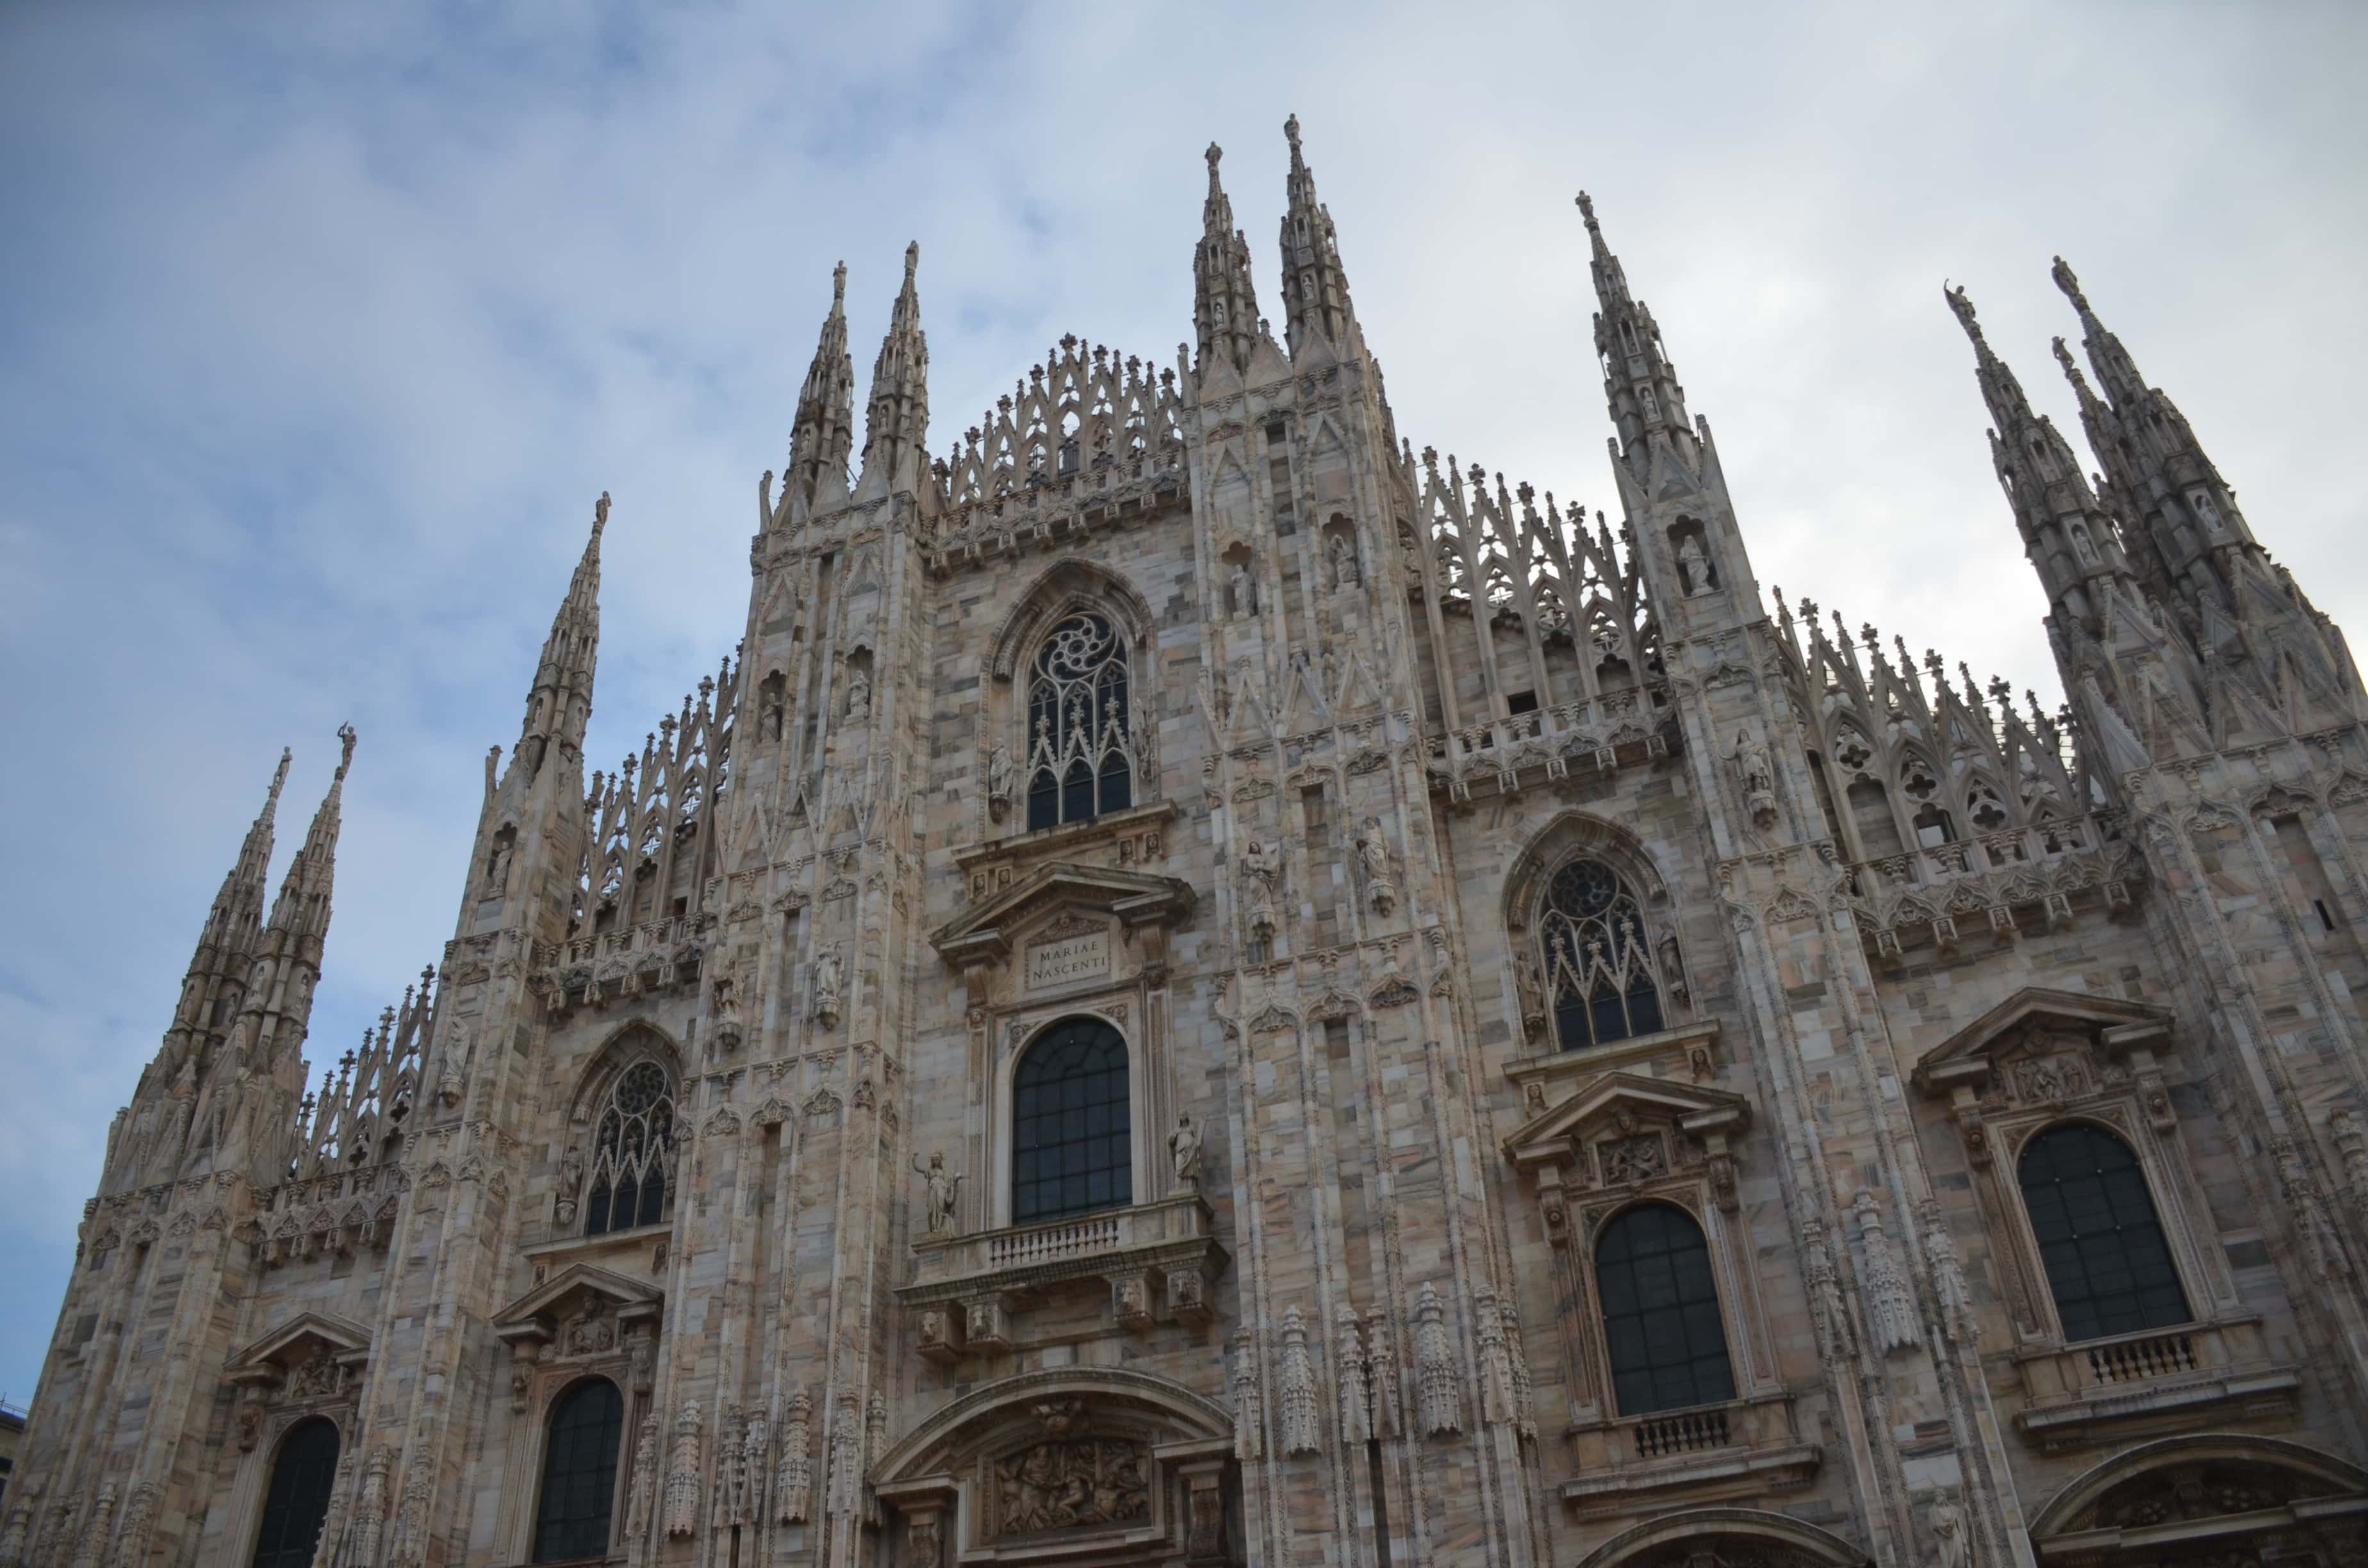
{"x": 2132, "y": 1384}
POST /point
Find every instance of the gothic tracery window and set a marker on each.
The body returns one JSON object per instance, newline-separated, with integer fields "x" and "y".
{"x": 1072, "y": 1150}
{"x": 2107, "y": 1263}
{"x": 1080, "y": 747}
{"x": 298, "y": 1500}
{"x": 633, "y": 1146}
{"x": 579, "y": 1473}
{"x": 1662, "y": 1331}
{"x": 1599, "y": 967}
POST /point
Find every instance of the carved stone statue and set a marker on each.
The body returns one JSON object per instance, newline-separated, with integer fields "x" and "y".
{"x": 1244, "y": 588}
{"x": 1184, "y": 1149}
{"x": 497, "y": 867}
{"x": 571, "y": 1183}
{"x": 1261, "y": 865}
{"x": 1693, "y": 564}
{"x": 1751, "y": 764}
{"x": 999, "y": 780}
{"x": 825, "y": 986}
{"x": 859, "y": 697}
{"x": 943, "y": 1191}
{"x": 1950, "y": 1547}
{"x": 1381, "y": 878}
{"x": 1341, "y": 555}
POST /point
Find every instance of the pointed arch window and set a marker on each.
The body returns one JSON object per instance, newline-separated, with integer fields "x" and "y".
{"x": 1071, "y": 1144}
{"x": 632, "y": 1152}
{"x": 579, "y": 1473}
{"x": 298, "y": 1500}
{"x": 2108, "y": 1263}
{"x": 1080, "y": 740}
{"x": 1599, "y": 967}
{"x": 1662, "y": 1331}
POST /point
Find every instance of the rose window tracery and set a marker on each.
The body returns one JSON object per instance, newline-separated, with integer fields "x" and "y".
{"x": 633, "y": 1147}
{"x": 1599, "y": 967}
{"x": 1080, "y": 745}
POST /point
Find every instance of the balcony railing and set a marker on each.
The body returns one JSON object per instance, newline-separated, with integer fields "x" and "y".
{"x": 2132, "y": 1383}
{"x": 1742, "y": 1449}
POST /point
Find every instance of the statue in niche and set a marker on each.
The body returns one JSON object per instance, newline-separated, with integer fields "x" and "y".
{"x": 1529, "y": 987}
{"x": 1693, "y": 564}
{"x": 1245, "y": 590}
{"x": 770, "y": 718}
{"x": 859, "y": 697}
{"x": 497, "y": 867}
{"x": 999, "y": 779}
{"x": 943, "y": 1190}
{"x": 1261, "y": 867}
{"x": 1341, "y": 555}
{"x": 2082, "y": 545}
{"x": 1381, "y": 883}
{"x": 825, "y": 986}
{"x": 571, "y": 1183}
{"x": 1950, "y": 1548}
{"x": 1751, "y": 764}
{"x": 1184, "y": 1149}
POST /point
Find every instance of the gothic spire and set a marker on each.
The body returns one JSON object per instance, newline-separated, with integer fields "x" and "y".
{"x": 1224, "y": 304}
{"x": 825, "y": 432}
{"x": 301, "y": 913}
{"x": 2148, "y": 449}
{"x": 560, "y": 704}
{"x": 1639, "y": 382}
{"x": 2070, "y": 538}
{"x": 1315, "y": 288}
{"x": 896, "y": 422}
{"x": 238, "y": 908}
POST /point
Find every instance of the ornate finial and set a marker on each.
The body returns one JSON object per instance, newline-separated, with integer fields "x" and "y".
{"x": 912, "y": 260}
{"x": 1964, "y": 309}
{"x": 599, "y": 514}
{"x": 1213, "y": 155}
{"x": 2071, "y": 285}
{"x": 346, "y": 735}
{"x": 839, "y": 286}
{"x": 279, "y": 777}
{"x": 1587, "y": 211}
{"x": 1290, "y": 132}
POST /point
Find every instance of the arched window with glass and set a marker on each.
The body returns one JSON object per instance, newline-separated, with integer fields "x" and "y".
{"x": 2109, "y": 1264}
{"x": 579, "y": 1473}
{"x": 1599, "y": 966}
{"x": 297, "y": 1501}
{"x": 1072, "y": 1148}
{"x": 1080, "y": 740}
{"x": 632, "y": 1151}
{"x": 1662, "y": 1331}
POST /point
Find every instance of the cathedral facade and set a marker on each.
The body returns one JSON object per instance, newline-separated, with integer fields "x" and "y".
{"x": 1205, "y": 988}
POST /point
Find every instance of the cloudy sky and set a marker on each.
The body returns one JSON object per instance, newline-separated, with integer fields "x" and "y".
{"x": 320, "y": 327}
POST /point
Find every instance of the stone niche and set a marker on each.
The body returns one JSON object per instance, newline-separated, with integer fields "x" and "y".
{"x": 1076, "y": 1466}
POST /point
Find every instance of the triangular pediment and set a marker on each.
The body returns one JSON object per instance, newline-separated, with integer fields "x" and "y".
{"x": 283, "y": 1345}
{"x": 1968, "y": 1055}
{"x": 538, "y": 1313}
{"x": 985, "y": 934}
{"x": 1549, "y": 1137}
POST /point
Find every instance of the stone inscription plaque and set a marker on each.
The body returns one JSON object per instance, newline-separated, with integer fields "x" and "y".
{"x": 1072, "y": 959}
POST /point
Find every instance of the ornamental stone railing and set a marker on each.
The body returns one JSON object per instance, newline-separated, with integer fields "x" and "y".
{"x": 1600, "y": 732}
{"x": 1742, "y": 1449}
{"x": 1155, "y": 1260}
{"x": 2131, "y": 1384}
{"x": 1991, "y": 885}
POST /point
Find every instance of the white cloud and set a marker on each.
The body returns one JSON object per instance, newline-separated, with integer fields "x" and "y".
{"x": 322, "y": 327}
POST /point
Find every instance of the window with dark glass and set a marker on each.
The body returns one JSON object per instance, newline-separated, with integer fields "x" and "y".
{"x": 630, "y": 1152}
{"x": 1661, "y": 1326}
{"x": 579, "y": 1473}
{"x": 1081, "y": 749}
{"x": 1070, "y": 1148}
{"x": 1599, "y": 966}
{"x": 2107, "y": 1263}
{"x": 298, "y": 1499}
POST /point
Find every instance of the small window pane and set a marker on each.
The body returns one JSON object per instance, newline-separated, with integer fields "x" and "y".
{"x": 1661, "y": 1324}
{"x": 1069, "y": 1123}
{"x": 579, "y": 1472}
{"x": 2107, "y": 1263}
{"x": 299, "y": 1499}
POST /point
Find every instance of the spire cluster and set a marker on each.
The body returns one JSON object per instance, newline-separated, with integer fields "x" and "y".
{"x": 1639, "y": 383}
